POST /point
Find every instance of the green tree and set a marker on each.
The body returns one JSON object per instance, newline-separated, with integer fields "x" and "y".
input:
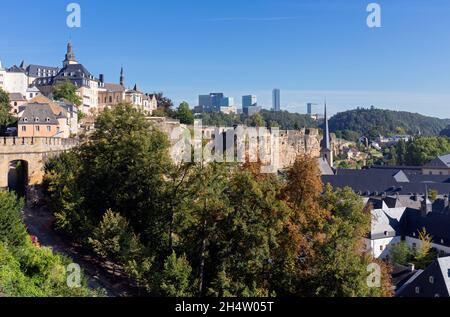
{"x": 342, "y": 267}
{"x": 12, "y": 230}
{"x": 5, "y": 108}
{"x": 257, "y": 120}
{"x": 185, "y": 114}
{"x": 423, "y": 256}
{"x": 67, "y": 91}
{"x": 113, "y": 240}
{"x": 400, "y": 253}
{"x": 176, "y": 277}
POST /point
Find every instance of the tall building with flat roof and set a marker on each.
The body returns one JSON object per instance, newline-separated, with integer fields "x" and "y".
{"x": 214, "y": 102}
{"x": 276, "y": 100}
{"x": 249, "y": 101}
{"x": 309, "y": 109}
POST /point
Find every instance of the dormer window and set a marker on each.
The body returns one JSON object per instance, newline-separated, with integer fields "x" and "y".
{"x": 36, "y": 119}
{"x": 442, "y": 241}
{"x": 417, "y": 290}
{"x": 431, "y": 279}
{"x": 47, "y": 119}
{"x": 25, "y": 119}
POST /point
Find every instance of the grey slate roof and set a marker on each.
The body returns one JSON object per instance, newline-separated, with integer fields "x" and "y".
{"x": 15, "y": 69}
{"x": 32, "y": 70}
{"x": 75, "y": 73}
{"x": 16, "y": 97}
{"x": 375, "y": 181}
{"x": 438, "y": 286}
{"x": 40, "y": 111}
{"x": 441, "y": 161}
{"x": 324, "y": 167}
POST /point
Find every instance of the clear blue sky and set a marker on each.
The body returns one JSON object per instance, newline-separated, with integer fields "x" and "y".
{"x": 310, "y": 49}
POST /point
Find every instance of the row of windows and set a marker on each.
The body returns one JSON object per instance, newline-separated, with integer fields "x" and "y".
{"x": 37, "y": 128}
{"x": 36, "y": 119}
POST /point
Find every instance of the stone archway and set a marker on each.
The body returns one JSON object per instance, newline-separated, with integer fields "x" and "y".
{"x": 18, "y": 177}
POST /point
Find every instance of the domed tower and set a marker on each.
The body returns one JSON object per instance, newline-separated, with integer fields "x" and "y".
{"x": 70, "y": 56}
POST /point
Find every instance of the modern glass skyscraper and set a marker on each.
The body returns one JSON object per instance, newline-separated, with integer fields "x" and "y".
{"x": 276, "y": 100}
{"x": 249, "y": 101}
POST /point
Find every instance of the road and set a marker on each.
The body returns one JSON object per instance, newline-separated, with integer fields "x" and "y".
{"x": 99, "y": 274}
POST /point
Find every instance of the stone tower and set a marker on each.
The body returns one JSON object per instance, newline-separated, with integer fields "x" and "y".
{"x": 70, "y": 56}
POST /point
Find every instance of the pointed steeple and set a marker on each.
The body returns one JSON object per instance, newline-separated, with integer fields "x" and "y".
{"x": 325, "y": 147}
{"x": 325, "y": 144}
{"x": 122, "y": 77}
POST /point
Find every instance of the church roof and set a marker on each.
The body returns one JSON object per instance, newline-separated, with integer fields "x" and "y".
{"x": 388, "y": 180}
{"x": 114, "y": 87}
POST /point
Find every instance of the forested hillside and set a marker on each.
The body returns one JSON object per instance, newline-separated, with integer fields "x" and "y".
{"x": 373, "y": 122}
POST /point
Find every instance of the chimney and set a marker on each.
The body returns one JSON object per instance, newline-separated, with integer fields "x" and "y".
{"x": 101, "y": 78}
{"x": 411, "y": 267}
{"x": 446, "y": 201}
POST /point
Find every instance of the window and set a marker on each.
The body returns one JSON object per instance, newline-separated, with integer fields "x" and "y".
{"x": 417, "y": 290}
{"x": 381, "y": 248}
{"x": 36, "y": 119}
{"x": 25, "y": 119}
{"x": 49, "y": 128}
{"x": 110, "y": 99}
{"x": 437, "y": 295}
{"x": 38, "y": 128}
{"x": 15, "y": 103}
{"x": 431, "y": 279}
{"x": 24, "y": 128}
{"x": 414, "y": 245}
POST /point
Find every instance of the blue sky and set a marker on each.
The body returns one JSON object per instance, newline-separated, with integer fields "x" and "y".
{"x": 310, "y": 49}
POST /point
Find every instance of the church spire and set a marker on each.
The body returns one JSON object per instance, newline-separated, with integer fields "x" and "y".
{"x": 122, "y": 77}
{"x": 325, "y": 146}
{"x": 326, "y": 136}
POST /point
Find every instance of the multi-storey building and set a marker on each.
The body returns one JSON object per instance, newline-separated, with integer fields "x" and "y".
{"x": 42, "y": 117}
{"x": 276, "y": 100}
{"x": 112, "y": 94}
{"x": 72, "y": 71}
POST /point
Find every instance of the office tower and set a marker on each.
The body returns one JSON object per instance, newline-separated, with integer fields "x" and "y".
{"x": 214, "y": 102}
{"x": 309, "y": 109}
{"x": 249, "y": 101}
{"x": 226, "y": 102}
{"x": 276, "y": 100}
